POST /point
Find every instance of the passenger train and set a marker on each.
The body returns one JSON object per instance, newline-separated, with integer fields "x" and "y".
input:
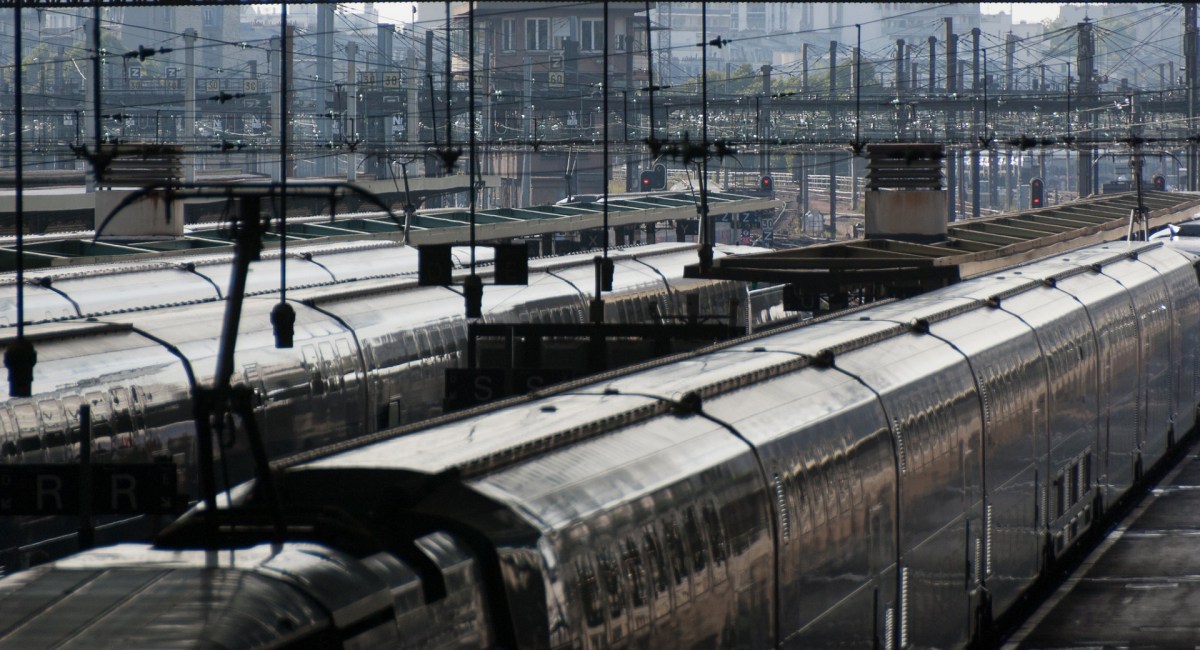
{"x": 892, "y": 477}
{"x": 368, "y": 355}
{"x": 93, "y": 290}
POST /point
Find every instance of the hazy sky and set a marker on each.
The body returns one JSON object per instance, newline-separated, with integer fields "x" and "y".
{"x": 1029, "y": 12}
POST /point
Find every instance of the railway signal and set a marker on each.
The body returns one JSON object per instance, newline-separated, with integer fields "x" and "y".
{"x": 1160, "y": 183}
{"x": 654, "y": 179}
{"x": 1037, "y": 192}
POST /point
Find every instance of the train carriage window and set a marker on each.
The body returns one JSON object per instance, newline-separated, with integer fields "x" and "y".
{"x": 458, "y": 346}
{"x": 589, "y": 592}
{"x": 841, "y": 470}
{"x": 71, "y": 405}
{"x": 331, "y": 366}
{"x": 816, "y": 496}
{"x": 137, "y": 405}
{"x": 100, "y": 414}
{"x": 803, "y": 503}
{"x": 54, "y": 422}
{"x": 826, "y": 480}
{"x": 635, "y": 573}
{"x": 122, "y": 420}
{"x": 8, "y": 450}
{"x": 1060, "y": 505}
{"x": 1074, "y": 483}
{"x": 610, "y": 573}
{"x": 918, "y": 440}
{"x": 1087, "y": 471}
{"x": 695, "y": 540}
{"x": 659, "y": 579}
{"x": 635, "y": 577}
{"x": 348, "y": 358}
{"x": 424, "y": 349}
{"x": 410, "y": 348}
{"x": 312, "y": 363}
{"x": 8, "y": 430}
{"x": 436, "y": 347}
{"x": 27, "y": 427}
{"x": 678, "y": 559}
{"x": 252, "y": 376}
{"x": 716, "y": 537}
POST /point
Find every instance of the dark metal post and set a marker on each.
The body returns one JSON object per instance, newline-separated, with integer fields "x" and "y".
{"x": 951, "y": 119}
{"x": 1087, "y": 89}
{"x": 832, "y": 70}
{"x": 833, "y": 194}
{"x": 975, "y": 33}
{"x": 1191, "y": 54}
{"x": 87, "y": 524}
{"x": 1010, "y": 49}
{"x": 932, "y": 63}
{"x": 707, "y": 228}
{"x": 804, "y": 68}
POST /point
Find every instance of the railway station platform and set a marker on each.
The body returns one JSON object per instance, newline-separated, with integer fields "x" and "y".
{"x": 1140, "y": 586}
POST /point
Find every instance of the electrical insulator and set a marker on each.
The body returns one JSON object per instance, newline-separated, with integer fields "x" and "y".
{"x": 283, "y": 319}
{"x": 473, "y": 293}
{"x": 20, "y": 358}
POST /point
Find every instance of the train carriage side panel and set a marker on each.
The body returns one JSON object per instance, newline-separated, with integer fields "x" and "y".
{"x": 1112, "y": 315}
{"x": 1071, "y": 436}
{"x": 1151, "y": 302}
{"x": 1179, "y": 275}
{"x": 683, "y": 486}
{"x": 133, "y": 391}
{"x": 393, "y": 330}
{"x": 305, "y": 396}
{"x": 928, "y": 393}
{"x": 827, "y": 448}
{"x": 1010, "y": 375}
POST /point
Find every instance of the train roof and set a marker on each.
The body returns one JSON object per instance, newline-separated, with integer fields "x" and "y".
{"x": 480, "y": 441}
{"x": 193, "y": 598}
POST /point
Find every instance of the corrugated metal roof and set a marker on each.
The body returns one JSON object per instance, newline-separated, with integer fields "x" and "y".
{"x": 428, "y": 227}
{"x": 971, "y": 247}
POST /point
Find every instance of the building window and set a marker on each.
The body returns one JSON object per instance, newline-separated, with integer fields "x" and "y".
{"x": 591, "y": 35}
{"x": 208, "y": 18}
{"x": 756, "y": 16}
{"x": 508, "y": 34}
{"x": 537, "y": 33}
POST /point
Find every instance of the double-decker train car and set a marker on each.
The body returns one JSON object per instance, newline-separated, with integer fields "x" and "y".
{"x": 368, "y": 355}
{"x": 893, "y": 477}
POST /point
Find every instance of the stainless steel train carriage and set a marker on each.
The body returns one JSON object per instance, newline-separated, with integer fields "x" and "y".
{"x": 367, "y": 355}
{"x": 893, "y": 477}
